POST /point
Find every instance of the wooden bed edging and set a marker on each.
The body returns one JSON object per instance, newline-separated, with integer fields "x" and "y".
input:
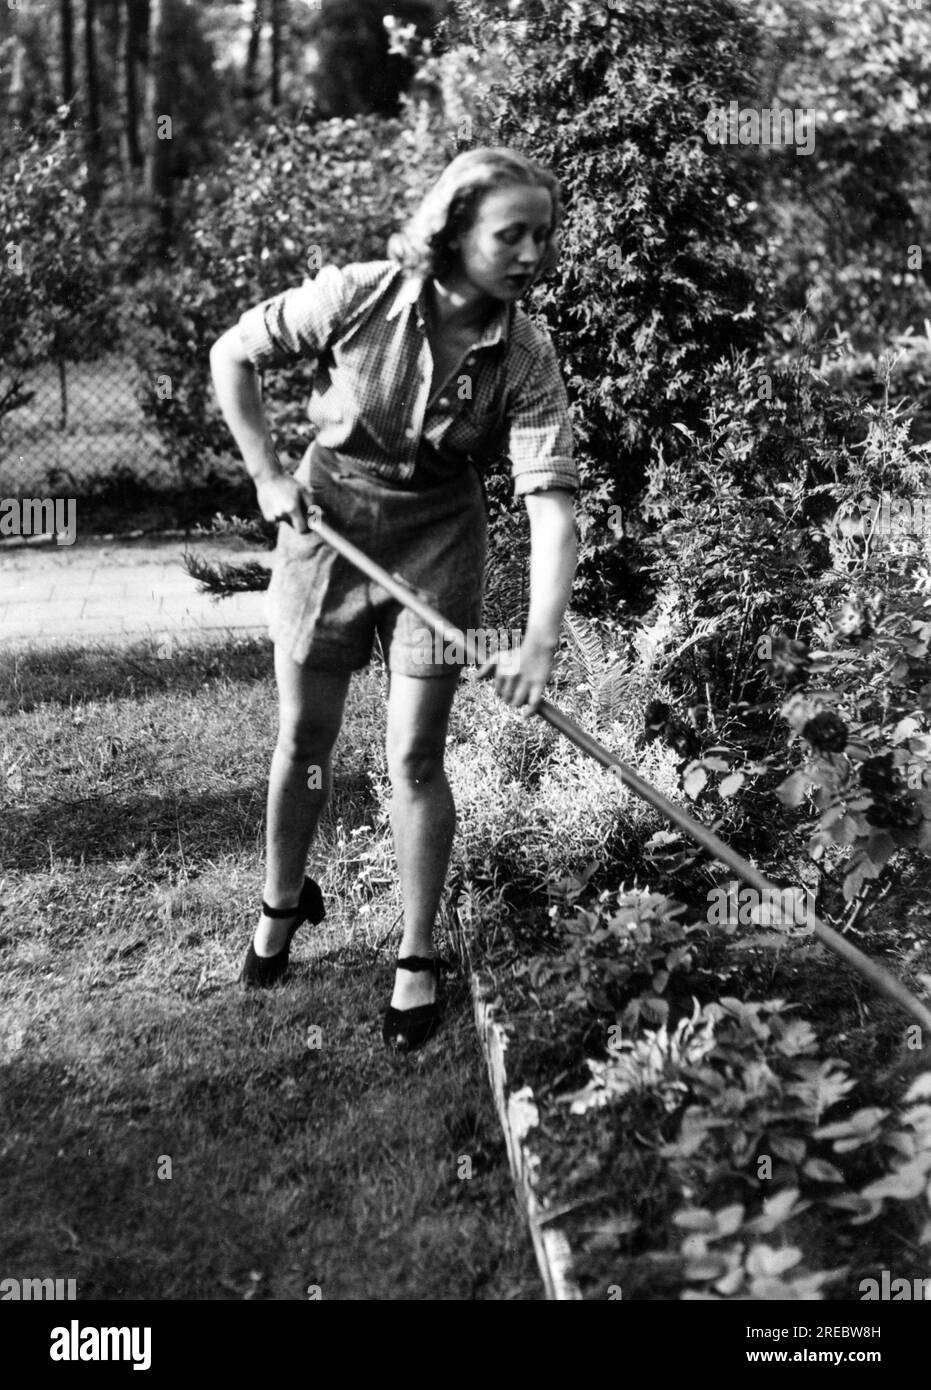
{"x": 518, "y": 1116}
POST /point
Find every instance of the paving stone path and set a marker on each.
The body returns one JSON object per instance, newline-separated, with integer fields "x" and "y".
{"x": 101, "y": 591}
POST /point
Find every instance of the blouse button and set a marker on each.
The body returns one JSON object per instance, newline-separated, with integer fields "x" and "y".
{"x": 410, "y": 432}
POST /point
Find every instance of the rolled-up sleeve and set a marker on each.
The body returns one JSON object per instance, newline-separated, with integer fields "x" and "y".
{"x": 540, "y": 444}
{"x": 296, "y": 323}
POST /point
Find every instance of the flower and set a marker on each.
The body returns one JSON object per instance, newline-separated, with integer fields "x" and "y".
{"x": 894, "y": 815}
{"x": 858, "y": 615}
{"x": 826, "y": 732}
{"x": 789, "y": 661}
{"x": 798, "y": 711}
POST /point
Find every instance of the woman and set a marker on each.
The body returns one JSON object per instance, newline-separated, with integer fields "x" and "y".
{"x": 426, "y": 369}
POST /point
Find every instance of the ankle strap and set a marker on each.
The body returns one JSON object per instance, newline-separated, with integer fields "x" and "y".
{"x": 279, "y": 911}
{"x": 416, "y": 963}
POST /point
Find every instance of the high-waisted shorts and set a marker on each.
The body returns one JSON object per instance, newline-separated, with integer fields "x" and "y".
{"x": 324, "y": 613}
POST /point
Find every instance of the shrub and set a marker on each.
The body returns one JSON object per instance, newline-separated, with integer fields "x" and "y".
{"x": 55, "y": 301}
{"x": 846, "y": 222}
{"x": 788, "y": 598}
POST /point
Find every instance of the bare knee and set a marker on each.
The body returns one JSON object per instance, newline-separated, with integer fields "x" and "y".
{"x": 310, "y": 710}
{"x": 414, "y": 765}
{"x": 305, "y": 740}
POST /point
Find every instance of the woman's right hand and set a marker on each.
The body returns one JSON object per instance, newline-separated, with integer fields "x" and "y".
{"x": 281, "y": 498}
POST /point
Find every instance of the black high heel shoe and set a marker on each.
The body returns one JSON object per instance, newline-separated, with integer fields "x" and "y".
{"x": 406, "y": 1029}
{"x": 260, "y": 971}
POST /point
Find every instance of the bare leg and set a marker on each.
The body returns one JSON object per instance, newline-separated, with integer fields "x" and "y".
{"x": 311, "y": 712}
{"x": 423, "y": 817}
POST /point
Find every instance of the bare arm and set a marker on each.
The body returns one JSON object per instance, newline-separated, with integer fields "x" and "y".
{"x": 239, "y": 396}
{"x": 520, "y": 680}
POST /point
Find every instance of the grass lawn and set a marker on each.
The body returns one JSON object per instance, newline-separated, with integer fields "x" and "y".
{"x": 300, "y": 1153}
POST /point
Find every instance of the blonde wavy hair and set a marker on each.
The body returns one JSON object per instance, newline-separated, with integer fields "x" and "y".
{"x": 451, "y": 206}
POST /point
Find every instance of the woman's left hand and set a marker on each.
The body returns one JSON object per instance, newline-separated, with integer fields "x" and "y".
{"x": 521, "y": 674}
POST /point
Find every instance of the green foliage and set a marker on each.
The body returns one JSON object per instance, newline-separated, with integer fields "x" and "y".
{"x": 729, "y": 520}
{"x": 865, "y": 768}
{"x": 605, "y": 672}
{"x": 788, "y": 551}
{"x": 531, "y": 807}
{"x": 55, "y": 290}
{"x": 842, "y": 220}
{"x": 766, "y": 1145}
{"x": 358, "y": 71}
{"x": 619, "y": 960}
{"x": 900, "y": 372}
{"x": 223, "y": 579}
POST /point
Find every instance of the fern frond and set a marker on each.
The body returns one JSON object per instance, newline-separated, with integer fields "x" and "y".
{"x": 587, "y": 645}
{"x": 651, "y": 640}
{"x": 255, "y": 530}
{"x": 704, "y": 628}
{"x": 220, "y": 579}
{"x": 612, "y": 692}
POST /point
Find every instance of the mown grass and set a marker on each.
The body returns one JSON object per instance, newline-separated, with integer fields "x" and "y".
{"x": 131, "y": 842}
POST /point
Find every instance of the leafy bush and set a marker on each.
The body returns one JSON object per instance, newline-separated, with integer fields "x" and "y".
{"x": 901, "y": 373}
{"x": 782, "y": 597}
{"x": 846, "y": 223}
{"x": 55, "y": 291}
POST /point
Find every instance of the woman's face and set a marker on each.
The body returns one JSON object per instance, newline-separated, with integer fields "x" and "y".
{"x": 502, "y": 250}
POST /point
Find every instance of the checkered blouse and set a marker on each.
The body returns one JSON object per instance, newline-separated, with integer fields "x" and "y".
{"x": 363, "y": 323}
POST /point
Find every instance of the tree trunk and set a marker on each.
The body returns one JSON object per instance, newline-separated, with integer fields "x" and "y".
{"x": 131, "y": 85}
{"x": 249, "y": 89}
{"x": 120, "y": 40}
{"x": 44, "y": 91}
{"x": 157, "y": 132}
{"x": 66, "y": 29}
{"x": 276, "y": 52}
{"x": 16, "y": 99}
{"x": 92, "y": 100}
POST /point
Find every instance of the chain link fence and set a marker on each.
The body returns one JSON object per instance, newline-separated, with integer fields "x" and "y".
{"x": 79, "y": 425}
{"x": 77, "y": 429}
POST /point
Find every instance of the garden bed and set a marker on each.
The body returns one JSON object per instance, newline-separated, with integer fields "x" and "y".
{"x": 749, "y": 1146}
